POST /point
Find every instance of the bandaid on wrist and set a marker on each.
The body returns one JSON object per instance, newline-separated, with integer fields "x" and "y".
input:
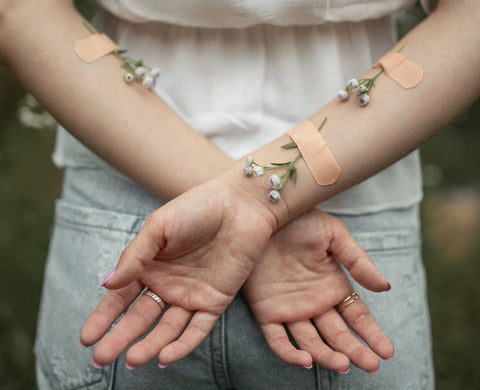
{"x": 400, "y": 69}
{"x": 316, "y": 153}
{"x": 94, "y": 47}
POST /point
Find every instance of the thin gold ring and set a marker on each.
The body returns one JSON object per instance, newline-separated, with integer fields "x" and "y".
{"x": 347, "y": 301}
{"x": 156, "y": 298}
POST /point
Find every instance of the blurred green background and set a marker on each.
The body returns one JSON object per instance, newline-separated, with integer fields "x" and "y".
{"x": 29, "y": 184}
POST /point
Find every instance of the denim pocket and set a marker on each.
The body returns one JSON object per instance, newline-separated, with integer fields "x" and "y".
{"x": 85, "y": 247}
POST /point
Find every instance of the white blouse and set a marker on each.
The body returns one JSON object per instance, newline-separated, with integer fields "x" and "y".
{"x": 243, "y": 72}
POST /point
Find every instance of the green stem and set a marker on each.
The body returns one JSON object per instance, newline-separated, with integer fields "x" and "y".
{"x": 402, "y": 47}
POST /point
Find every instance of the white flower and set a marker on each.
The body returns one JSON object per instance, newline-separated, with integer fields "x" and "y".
{"x": 247, "y": 170}
{"x": 363, "y": 99}
{"x": 155, "y": 73}
{"x": 148, "y": 82}
{"x": 258, "y": 171}
{"x": 274, "y": 196}
{"x": 353, "y": 83}
{"x": 248, "y": 160}
{"x": 129, "y": 77}
{"x": 141, "y": 71}
{"x": 362, "y": 89}
{"x": 275, "y": 182}
{"x": 342, "y": 94}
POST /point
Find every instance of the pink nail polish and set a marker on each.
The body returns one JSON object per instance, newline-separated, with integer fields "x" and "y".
{"x": 96, "y": 365}
{"x": 162, "y": 365}
{"x": 109, "y": 276}
{"x": 129, "y": 366}
{"x": 389, "y": 285}
{"x": 309, "y": 367}
{"x": 345, "y": 371}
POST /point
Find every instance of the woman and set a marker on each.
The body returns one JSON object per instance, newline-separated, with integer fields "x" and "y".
{"x": 365, "y": 210}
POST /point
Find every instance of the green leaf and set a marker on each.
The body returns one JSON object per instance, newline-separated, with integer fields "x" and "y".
{"x": 289, "y": 145}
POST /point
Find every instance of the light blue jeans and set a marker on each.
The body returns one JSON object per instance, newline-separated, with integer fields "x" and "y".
{"x": 97, "y": 216}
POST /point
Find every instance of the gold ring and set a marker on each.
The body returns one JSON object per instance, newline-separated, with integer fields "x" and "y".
{"x": 155, "y": 297}
{"x": 347, "y": 301}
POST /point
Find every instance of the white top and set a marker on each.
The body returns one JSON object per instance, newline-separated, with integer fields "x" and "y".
{"x": 243, "y": 87}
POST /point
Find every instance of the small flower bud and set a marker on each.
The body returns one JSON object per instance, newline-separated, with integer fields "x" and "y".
{"x": 342, "y": 94}
{"x": 361, "y": 89}
{"x": 248, "y": 160}
{"x": 363, "y": 99}
{"x": 258, "y": 171}
{"x": 141, "y": 71}
{"x": 155, "y": 73}
{"x": 148, "y": 82}
{"x": 274, "y": 196}
{"x": 353, "y": 83}
{"x": 129, "y": 77}
{"x": 248, "y": 170}
{"x": 275, "y": 182}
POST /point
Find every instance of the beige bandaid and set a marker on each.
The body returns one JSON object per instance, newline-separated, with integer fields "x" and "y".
{"x": 400, "y": 69}
{"x": 94, "y": 47}
{"x": 315, "y": 152}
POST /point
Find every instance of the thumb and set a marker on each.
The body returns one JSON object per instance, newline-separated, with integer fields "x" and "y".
{"x": 358, "y": 263}
{"x": 139, "y": 253}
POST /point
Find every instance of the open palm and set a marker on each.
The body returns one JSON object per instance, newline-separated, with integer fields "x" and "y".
{"x": 195, "y": 253}
{"x": 297, "y": 284}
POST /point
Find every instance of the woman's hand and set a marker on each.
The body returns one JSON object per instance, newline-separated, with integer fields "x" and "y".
{"x": 298, "y": 282}
{"x": 195, "y": 253}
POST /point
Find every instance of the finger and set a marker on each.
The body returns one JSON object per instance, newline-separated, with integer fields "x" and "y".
{"x": 362, "y": 322}
{"x": 340, "y": 338}
{"x": 358, "y": 263}
{"x": 278, "y": 340}
{"x": 167, "y": 330}
{"x": 307, "y": 338}
{"x": 136, "y": 321}
{"x": 139, "y": 253}
{"x": 199, "y": 327}
{"x": 112, "y": 306}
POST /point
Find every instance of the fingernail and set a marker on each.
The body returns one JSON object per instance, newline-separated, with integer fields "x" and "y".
{"x": 389, "y": 285}
{"x": 375, "y": 372}
{"x": 162, "y": 365}
{"x": 96, "y": 365}
{"x": 345, "y": 371}
{"x": 109, "y": 276}
{"x": 129, "y": 366}
{"x": 389, "y": 359}
{"x": 309, "y": 367}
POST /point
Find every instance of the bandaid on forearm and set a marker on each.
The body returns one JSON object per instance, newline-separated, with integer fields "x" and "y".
{"x": 94, "y": 47}
{"x": 400, "y": 69}
{"x": 316, "y": 153}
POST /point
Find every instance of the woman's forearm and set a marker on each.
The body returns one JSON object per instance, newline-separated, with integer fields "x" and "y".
{"x": 365, "y": 140}
{"x": 125, "y": 124}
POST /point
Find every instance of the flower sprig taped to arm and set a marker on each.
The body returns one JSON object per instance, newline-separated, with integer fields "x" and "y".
{"x": 394, "y": 65}
{"x": 97, "y": 45}
{"x": 312, "y": 147}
